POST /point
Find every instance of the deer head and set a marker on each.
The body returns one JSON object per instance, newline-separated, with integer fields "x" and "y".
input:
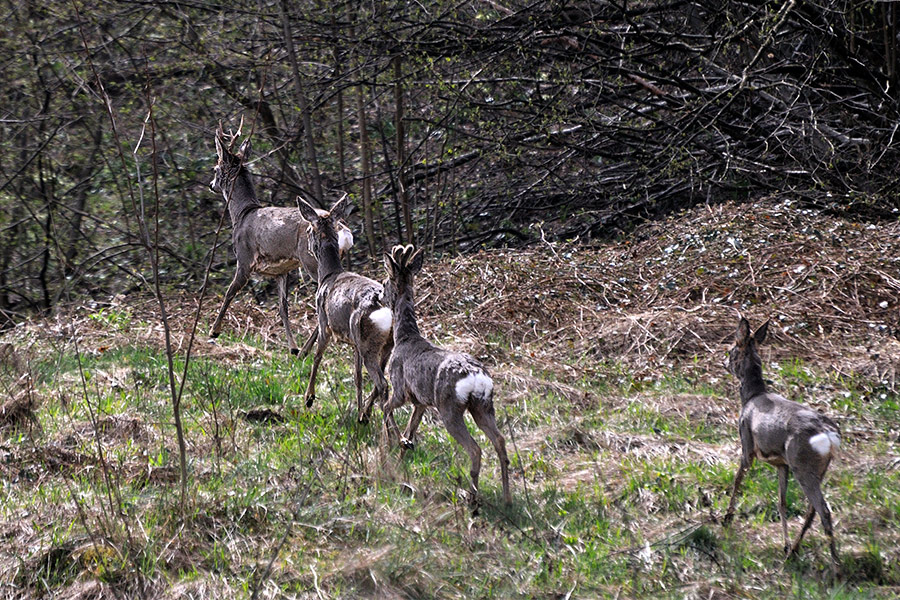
{"x": 228, "y": 164}
{"x": 325, "y": 226}
{"x": 744, "y": 355}
{"x": 401, "y": 264}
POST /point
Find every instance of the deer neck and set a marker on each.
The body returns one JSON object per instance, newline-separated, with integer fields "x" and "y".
{"x": 329, "y": 261}
{"x": 241, "y": 197}
{"x": 405, "y": 325}
{"x": 752, "y": 382}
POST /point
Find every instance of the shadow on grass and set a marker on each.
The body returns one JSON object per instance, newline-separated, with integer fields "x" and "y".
{"x": 869, "y": 566}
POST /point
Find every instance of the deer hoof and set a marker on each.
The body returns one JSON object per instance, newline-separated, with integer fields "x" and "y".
{"x": 363, "y": 419}
{"x": 310, "y": 400}
{"x": 407, "y": 444}
{"x": 295, "y": 351}
{"x": 728, "y": 519}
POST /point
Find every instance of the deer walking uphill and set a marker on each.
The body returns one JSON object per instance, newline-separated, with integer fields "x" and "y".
{"x": 348, "y": 307}
{"x": 426, "y": 375}
{"x": 269, "y": 241}
{"x": 786, "y": 434}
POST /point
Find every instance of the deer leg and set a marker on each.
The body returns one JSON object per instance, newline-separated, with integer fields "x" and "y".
{"x": 408, "y": 439}
{"x": 746, "y": 463}
{"x": 283, "y": 309}
{"x": 812, "y": 487}
{"x": 487, "y": 422}
{"x": 735, "y": 491}
{"x": 381, "y": 386}
{"x": 456, "y": 427}
{"x": 783, "y": 473}
{"x": 361, "y": 416}
{"x": 375, "y": 352}
{"x": 390, "y": 424}
{"x": 309, "y": 342}
{"x": 360, "y": 352}
{"x": 241, "y": 277}
{"x": 310, "y": 395}
{"x": 807, "y": 521}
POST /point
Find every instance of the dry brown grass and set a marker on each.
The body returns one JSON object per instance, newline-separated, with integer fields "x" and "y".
{"x": 668, "y": 294}
{"x": 673, "y": 291}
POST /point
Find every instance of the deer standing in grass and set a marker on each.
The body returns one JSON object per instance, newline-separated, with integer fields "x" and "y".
{"x": 426, "y": 375}
{"x": 783, "y": 433}
{"x": 268, "y": 240}
{"x": 349, "y": 307}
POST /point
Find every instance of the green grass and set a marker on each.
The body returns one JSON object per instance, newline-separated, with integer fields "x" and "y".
{"x": 616, "y": 498}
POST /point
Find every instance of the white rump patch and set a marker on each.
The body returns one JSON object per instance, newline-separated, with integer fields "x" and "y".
{"x": 477, "y": 384}
{"x": 382, "y": 318}
{"x": 824, "y": 442}
{"x": 345, "y": 239}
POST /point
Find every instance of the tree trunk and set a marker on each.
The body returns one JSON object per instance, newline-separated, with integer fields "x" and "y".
{"x": 304, "y": 107}
{"x": 366, "y": 162}
{"x": 401, "y": 150}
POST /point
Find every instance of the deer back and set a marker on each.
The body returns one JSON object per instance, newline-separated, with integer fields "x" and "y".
{"x": 350, "y": 303}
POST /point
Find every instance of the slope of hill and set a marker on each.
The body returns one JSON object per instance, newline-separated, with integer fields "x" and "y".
{"x": 620, "y": 420}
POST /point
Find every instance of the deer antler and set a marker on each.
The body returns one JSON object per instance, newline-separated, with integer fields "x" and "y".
{"x": 231, "y": 137}
{"x": 397, "y": 254}
{"x": 240, "y": 128}
{"x": 403, "y": 254}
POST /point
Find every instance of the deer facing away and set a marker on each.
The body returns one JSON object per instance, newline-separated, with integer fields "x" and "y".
{"x": 269, "y": 241}
{"x": 426, "y": 375}
{"x": 349, "y": 307}
{"x": 786, "y": 434}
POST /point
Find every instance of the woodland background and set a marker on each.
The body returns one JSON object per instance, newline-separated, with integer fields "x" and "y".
{"x": 456, "y": 125}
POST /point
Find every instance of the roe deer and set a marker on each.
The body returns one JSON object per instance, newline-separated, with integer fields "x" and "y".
{"x": 783, "y": 433}
{"x": 269, "y": 241}
{"x": 349, "y": 307}
{"x": 426, "y": 375}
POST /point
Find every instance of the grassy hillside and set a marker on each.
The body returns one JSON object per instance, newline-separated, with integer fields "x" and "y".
{"x": 620, "y": 420}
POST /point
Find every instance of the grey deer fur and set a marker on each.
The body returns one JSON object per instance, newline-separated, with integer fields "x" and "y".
{"x": 786, "y": 434}
{"x": 425, "y": 375}
{"x": 349, "y": 307}
{"x": 269, "y": 241}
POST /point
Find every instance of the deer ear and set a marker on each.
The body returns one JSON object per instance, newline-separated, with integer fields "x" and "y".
{"x": 339, "y": 208}
{"x": 415, "y": 262}
{"x": 760, "y": 334}
{"x": 742, "y": 335}
{"x": 306, "y": 211}
{"x": 244, "y": 150}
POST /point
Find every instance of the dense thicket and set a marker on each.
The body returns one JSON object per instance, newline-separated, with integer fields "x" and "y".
{"x": 452, "y": 124}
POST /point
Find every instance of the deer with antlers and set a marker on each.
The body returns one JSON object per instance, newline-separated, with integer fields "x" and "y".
{"x": 268, "y": 241}
{"x": 786, "y": 434}
{"x": 425, "y": 375}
